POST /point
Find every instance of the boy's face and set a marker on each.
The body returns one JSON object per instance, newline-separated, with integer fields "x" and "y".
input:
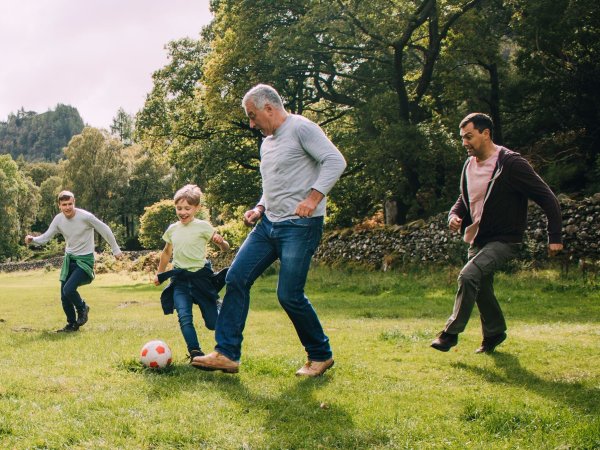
{"x": 67, "y": 207}
{"x": 185, "y": 211}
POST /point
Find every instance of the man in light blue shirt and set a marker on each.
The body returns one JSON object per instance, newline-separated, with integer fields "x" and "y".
{"x": 299, "y": 166}
{"x": 77, "y": 227}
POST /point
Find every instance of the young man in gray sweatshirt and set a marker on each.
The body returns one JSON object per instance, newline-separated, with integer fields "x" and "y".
{"x": 299, "y": 166}
{"x": 77, "y": 227}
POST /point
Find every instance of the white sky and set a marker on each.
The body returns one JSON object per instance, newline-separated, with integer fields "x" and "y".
{"x": 95, "y": 55}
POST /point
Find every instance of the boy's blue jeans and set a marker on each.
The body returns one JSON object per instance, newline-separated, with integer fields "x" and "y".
{"x": 293, "y": 242}
{"x": 70, "y": 298}
{"x": 184, "y": 297}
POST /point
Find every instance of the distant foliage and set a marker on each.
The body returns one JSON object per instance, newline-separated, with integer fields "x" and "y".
{"x": 19, "y": 199}
{"x": 39, "y": 137}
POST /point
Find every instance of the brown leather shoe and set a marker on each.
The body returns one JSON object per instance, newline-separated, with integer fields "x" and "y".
{"x": 314, "y": 368}
{"x": 489, "y": 344}
{"x": 216, "y": 361}
{"x": 445, "y": 341}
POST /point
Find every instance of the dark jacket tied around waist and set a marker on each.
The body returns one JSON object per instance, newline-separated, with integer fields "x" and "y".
{"x": 205, "y": 281}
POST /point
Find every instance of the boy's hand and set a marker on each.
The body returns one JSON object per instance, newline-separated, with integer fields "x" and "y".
{"x": 119, "y": 255}
{"x": 220, "y": 241}
{"x": 28, "y": 239}
{"x": 156, "y": 282}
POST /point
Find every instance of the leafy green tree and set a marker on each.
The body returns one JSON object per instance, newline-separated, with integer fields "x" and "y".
{"x": 49, "y": 190}
{"x": 19, "y": 200}
{"x": 122, "y": 127}
{"x": 556, "y": 96}
{"x": 41, "y": 171}
{"x": 148, "y": 180}
{"x": 364, "y": 66}
{"x": 95, "y": 171}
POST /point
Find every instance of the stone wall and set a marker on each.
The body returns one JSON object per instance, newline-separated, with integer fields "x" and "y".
{"x": 431, "y": 241}
{"x": 423, "y": 242}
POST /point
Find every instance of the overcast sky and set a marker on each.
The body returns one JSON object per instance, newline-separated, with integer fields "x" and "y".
{"x": 95, "y": 55}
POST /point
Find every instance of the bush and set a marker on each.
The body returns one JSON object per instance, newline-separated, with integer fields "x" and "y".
{"x": 234, "y": 231}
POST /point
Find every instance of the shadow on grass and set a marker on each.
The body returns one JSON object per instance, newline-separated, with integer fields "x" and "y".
{"x": 294, "y": 417}
{"x": 574, "y": 395}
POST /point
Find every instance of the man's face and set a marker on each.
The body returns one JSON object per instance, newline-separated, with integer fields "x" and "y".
{"x": 473, "y": 140}
{"x": 260, "y": 119}
{"x": 67, "y": 207}
{"x": 185, "y": 211}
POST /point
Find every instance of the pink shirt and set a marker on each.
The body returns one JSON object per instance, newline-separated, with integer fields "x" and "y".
{"x": 479, "y": 174}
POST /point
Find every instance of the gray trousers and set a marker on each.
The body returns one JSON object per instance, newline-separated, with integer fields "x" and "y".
{"x": 476, "y": 285}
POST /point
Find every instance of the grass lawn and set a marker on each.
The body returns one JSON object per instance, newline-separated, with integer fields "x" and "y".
{"x": 387, "y": 390}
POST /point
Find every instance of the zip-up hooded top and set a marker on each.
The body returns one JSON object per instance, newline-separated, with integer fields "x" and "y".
{"x": 504, "y": 216}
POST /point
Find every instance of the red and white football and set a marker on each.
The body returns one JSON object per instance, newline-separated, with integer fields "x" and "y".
{"x": 156, "y": 354}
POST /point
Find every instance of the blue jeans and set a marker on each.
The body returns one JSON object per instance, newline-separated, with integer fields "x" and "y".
{"x": 70, "y": 298}
{"x": 184, "y": 297}
{"x": 293, "y": 242}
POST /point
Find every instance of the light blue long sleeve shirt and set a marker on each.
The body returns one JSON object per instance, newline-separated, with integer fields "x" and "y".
{"x": 298, "y": 157}
{"x": 78, "y": 232}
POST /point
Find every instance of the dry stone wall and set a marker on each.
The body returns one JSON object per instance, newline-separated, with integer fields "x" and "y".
{"x": 425, "y": 242}
{"x": 431, "y": 241}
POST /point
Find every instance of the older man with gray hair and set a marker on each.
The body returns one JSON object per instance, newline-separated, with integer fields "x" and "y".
{"x": 299, "y": 166}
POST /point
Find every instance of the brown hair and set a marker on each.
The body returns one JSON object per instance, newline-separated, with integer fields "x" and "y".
{"x": 190, "y": 193}
{"x": 65, "y": 195}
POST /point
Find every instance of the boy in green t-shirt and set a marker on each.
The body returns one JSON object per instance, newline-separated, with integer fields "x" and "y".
{"x": 192, "y": 279}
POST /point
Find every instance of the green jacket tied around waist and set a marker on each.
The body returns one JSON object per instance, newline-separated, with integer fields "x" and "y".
{"x": 85, "y": 262}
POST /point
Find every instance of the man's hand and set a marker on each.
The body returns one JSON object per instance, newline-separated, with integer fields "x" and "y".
{"x": 28, "y": 239}
{"x": 119, "y": 255}
{"x": 252, "y": 215}
{"x": 156, "y": 282}
{"x": 554, "y": 249}
{"x": 455, "y": 223}
{"x": 307, "y": 207}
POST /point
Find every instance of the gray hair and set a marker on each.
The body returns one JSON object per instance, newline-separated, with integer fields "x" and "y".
{"x": 260, "y": 95}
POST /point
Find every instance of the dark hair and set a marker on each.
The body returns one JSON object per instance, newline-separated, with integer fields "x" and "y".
{"x": 480, "y": 122}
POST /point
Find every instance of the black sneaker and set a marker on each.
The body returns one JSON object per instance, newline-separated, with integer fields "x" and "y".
{"x": 489, "y": 343}
{"x": 445, "y": 341}
{"x": 194, "y": 353}
{"x": 82, "y": 316}
{"x": 69, "y": 328}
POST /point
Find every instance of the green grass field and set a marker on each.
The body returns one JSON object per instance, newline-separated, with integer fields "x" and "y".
{"x": 387, "y": 390}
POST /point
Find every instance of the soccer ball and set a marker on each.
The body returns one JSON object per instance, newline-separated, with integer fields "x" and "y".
{"x": 155, "y": 355}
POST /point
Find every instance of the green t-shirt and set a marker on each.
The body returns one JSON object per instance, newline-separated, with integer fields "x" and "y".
{"x": 189, "y": 243}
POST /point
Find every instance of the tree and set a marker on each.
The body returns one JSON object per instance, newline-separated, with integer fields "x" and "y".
{"x": 556, "y": 97}
{"x": 95, "y": 171}
{"x": 39, "y": 137}
{"x": 148, "y": 180}
{"x": 19, "y": 200}
{"x": 49, "y": 190}
{"x": 41, "y": 171}
{"x": 122, "y": 127}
